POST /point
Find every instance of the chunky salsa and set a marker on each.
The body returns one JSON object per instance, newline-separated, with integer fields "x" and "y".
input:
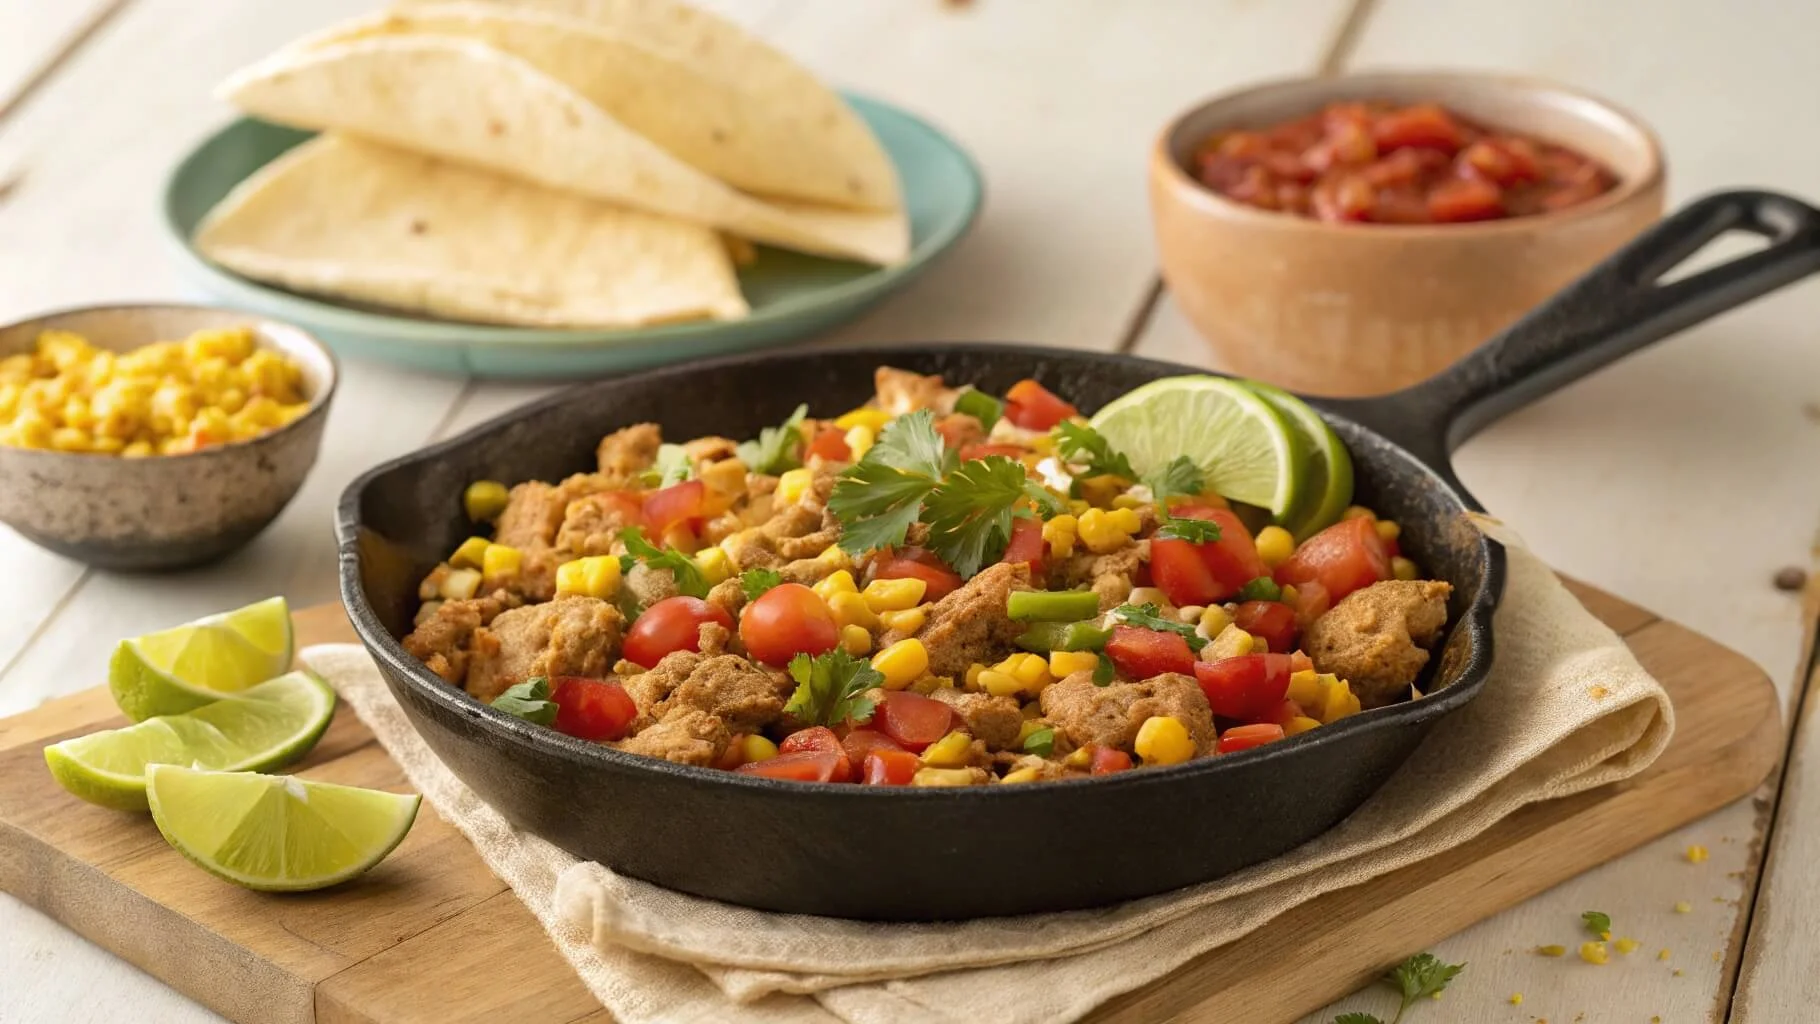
{"x": 1384, "y": 163}
{"x": 942, "y": 587}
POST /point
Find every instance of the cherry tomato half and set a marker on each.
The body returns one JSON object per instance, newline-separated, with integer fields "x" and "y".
{"x": 831, "y": 443}
{"x": 819, "y": 739}
{"x": 1142, "y": 653}
{"x": 673, "y": 624}
{"x": 860, "y": 742}
{"x": 1210, "y": 572}
{"x": 1244, "y": 737}
{"x": 915, "y": 563}
{"x": 1106, "y": 760}
{"x": 803, "y": 766}
{"x": 678, "y": 504}
{"x": 913, "y": 720}
{"x": 787, "y": 620}
{"x": 1034, "y": 407}
{"x": 592, "y": 709}
{"x": 1248, "y": 688}
{"x": 890, "y": 768}
{"x": 1272, "y": 620}
{"x": 1347, "y": 556}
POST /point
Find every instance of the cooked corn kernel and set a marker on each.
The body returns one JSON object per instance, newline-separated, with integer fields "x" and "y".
{"x": 860, "y": 438}
{"x": 1288, "y": 594}
{"x": 1059, "y": 534}
{"x": 1191, "y": 613}
{"x": 1388, "y": 529}
{"x": 1125, "y": 520}
{"x": 793, "y": 485}
{"x": 595, "y": 576}
{"x": 951, "y": 751}
{"x": 1030, "y": 669}
{"x": 1000, "y": 684}
{"x": 1594, "y": 953}
{"x": 1683, "y": 907}
{"x": 681, "y": 538}
{"x": 753, "y": 747}
{"x": 1663, "y": 954}
{"x": 1516, "y": 999}
{"x": 855, "y": 640}
{"x": 1305, "y": 688}
{"x": 1358, "y": 512}
{"x": 1337, "y": 700}
{"x": 461, "y": 584}
{"x": 728, "y": 476}
{"x": 1214, "y": 621}
{"x": 1066, "y": 663}
{"x": 1076, "y": 506}
{"x": 1027, "y": 728}
{"x": 1404, "y": 569}
{"x": 1079, "y": 757}
{"x": 1125, "y": 501}
{"x": 834, "y": 556}
{"x": 1231, "y": 642}
{"x": 850, "y": 610}
{"x": 714, "y": 564}
{"x": 1299, "y": 724}
{"x": 1098, "y": 491}
{"x": 1696, "y": 855}
{"x": 501, "y": 562}
{"x": 942, "y": 777}
{"x": 894, "y": 595}
{"x": 1163, "y": 739}
{"x": 863, "y": 417}
{"x": 972, "y": 678}
{"x": 929, "y": 684}
{"x": 1626, "y": 946}
{"x": 837, "y": 582}
{"x": 907, "y": 621}
{"x": 1022, "y": 775}
{"x": 902, "y": 663}
{"x": 1275, "y": 545}
{"x": 1105, "y": 532}
{"x": 471, "y": 554}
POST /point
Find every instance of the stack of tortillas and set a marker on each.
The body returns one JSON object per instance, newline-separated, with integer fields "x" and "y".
{"x": 548, "y": 162}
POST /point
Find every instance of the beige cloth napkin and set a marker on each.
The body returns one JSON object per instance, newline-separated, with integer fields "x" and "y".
{"x": 1567, "y": 708}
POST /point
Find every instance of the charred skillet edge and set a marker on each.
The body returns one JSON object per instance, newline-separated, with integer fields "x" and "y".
{"x": 383, "y": 646}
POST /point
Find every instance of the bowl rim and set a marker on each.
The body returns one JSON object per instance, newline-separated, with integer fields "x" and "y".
{"x": 398, "y": 664}
{"x": 318, "y": 404}
{"x": 1164, "y": 165}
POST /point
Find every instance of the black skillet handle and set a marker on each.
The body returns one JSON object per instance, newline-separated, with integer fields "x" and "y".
{"x": 1615, "y": 309}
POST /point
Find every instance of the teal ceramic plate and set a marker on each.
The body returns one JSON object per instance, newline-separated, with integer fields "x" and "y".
{"x": 791, "y": 295}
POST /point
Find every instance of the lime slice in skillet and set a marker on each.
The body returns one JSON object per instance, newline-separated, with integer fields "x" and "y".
{"x": 1327, "y": 486}
{"x": 1238, "y": 439}
{"x": 276, "y": 833}
{"x": 187, "y": 666}
{"x": 271, "y": 724}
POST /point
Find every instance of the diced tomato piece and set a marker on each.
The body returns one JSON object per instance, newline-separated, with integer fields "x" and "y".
{"x": 1026, "y": 544}
{"x": 831, "y": 443}
{"x": 1285, "y": 711}
{"x": 890, "y": 768}
{"x": 1247, "y": 688}
{"x": 819, "y": 739}
{"x": 1225, "y": 565}
{"x": 673, "y": 624}
{"x": 1272, "y": 620}
{"x": 787, "y": 620}
{"x": 1425, "y": 124}
{"x": 1499, "y": 163}
{"x": 913, "y": 720}
{"x": 592, "y": 709}
{"x": 960, "y": 432}
{"x": 1465, "y": 199}
{"x": 1343, "y": 199}
{"x": 734, "y": 755}
{"x": 1106, "y": 760}
{"x": 682, "y": 504}
{"x": 804, "y": 766}
{"x": 1142, "y": 653}
{"x": 1178, "y": 570}
{"x": 1034, "y": 407}
{"x": 915, "y": 563}
{"x": 1244, "y": 737}
{"x": 1343, "y": 558}
{"x": 980, "y": 451}
{"x": 860, "y": 742}
{"x": 1311, "y": 602}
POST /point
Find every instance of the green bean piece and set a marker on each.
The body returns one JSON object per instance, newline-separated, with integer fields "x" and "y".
{"x": 1052, "y": 605}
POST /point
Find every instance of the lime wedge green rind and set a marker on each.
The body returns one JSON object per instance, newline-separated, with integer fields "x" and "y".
{"x": 270, "y": 725}
{"x": 276, "y": 833}
{"x": 188, "y": 666}
{"x": 1242, "y": 442}
{"x": 1327, "y": 487}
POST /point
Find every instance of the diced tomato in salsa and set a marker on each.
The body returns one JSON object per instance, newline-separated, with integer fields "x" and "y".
{"x": 1347, "y": 556}
{"x": 1272, "y": 620}
{"x": 1026, "y": 544}
{"x": 819, "y": 739}
{"x": 1034, "y": 407}
{"x": 1248, "y": 688}
{"x": 806, "y": 766}
{"x": 862, "y": 741}
{"x": 592, "y": 709}
{"x": 914, "y": 563}
{"x": 679, "y": 504}
{"x": 890, "y": 768}
{"x": 1142, "y": 653}
{"x": 831, "y": 443}
{"x": 913, "y": 720}
{"x": 1244, "y": 737}
{"x": 1107, "y": 760}
{"x": 1205, "y": 573}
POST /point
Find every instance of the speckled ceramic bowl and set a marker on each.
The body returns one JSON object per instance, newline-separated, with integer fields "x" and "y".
{"x": 169, "y": 511}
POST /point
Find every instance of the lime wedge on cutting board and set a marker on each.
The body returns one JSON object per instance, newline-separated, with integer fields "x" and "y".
{"x": 1239, "y": 440}
{"x": 270, "y": 725}
{"x": 1327, "y": 486}
{"x": 193, "y": 664}
{"x": 277, "y": 833}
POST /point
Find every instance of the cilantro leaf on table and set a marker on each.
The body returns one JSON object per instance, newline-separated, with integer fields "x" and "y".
{"x": 688, "y": 575}
{"x": 1082, "y": 445}
{"x": 1194, "y": 531}
{"x": 1421, "y": 975}
{"x": 1357, "y": 1018}
{"x": 529, "y": 700}
{"x": 1597, "y": 922}
{"x": 756, "y": 581}
{"x": 672, "y": 466}
{"x": 829, "y": 688}
{"x": 777, "y": 449}
{"x": 1149, "y": 616}
{"x": 969, "y": 513}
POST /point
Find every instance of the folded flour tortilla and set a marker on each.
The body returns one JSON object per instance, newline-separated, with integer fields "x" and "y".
{"x": 785, "y": 136}
{"x": 471, "y": 103}
{"x": 353, "y": 219}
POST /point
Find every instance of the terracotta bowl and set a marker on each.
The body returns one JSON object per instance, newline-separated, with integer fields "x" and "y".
{"x": 1359, "y": 309}
{"x": 168, "y": 511}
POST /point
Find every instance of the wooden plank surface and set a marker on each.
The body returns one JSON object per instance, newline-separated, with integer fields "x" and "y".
{"x": 418, "y": 936}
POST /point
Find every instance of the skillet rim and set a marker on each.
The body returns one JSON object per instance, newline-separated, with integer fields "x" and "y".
{"x": 378, "y": 641}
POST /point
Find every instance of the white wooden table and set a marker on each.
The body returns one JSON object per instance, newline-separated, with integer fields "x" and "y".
{"x": 1680, "y": 479}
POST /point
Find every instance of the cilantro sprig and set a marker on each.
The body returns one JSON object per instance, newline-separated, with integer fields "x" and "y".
{"x": 1149, "y": 616}
{"x": 777, "y": 449}
{"x": 689, "y": 578}
{"x": 1598, "y": 922}
{"x": 529, "y": 700}
{"x": 830, "y": 688}
{"x": 756, "y": 581}
{"x": 1420, "y": 976}
{"x": 1080, "y": 444}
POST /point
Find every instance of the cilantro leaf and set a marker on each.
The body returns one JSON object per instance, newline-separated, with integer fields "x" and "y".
{"x": 1263, "y": 588}
{"x": 1081, "y": 444}
{"x": 529, "y": 700}
{"x": 756, "y": 581}
{"x": 1194, "y": 531}
{"x": 1149, "y": 616}
{"x": 1420, "y": 975}
{"x": 1357, "y": 1018}
{"x": 1179, "y": 478}
{"x": 778, "y": 448}
{"x": 1597, "y": 922}
{"x": 911, "y": 443}
{"x": 1041, "y": 742}
{"x": 1104, "y": 672}
{"x": 672, "y": 467}
{"x": 876, "y": 503}
{"x": 829, "y": 688}
{"x": 969, "y": 513}
{"x": 1047, "y": 504}
{"x": 689, "y": 578}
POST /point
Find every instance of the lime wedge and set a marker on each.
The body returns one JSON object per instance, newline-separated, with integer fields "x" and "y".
{"x": 1327, "y": 487}
{"x": 277, "y": 833}
{"x": 271, "y": 724}
{"x": 1239, "y": 440}
{"x": 198, "y": 662}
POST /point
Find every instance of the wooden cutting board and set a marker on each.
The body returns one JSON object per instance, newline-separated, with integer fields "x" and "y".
{"x": 431, "y": 934}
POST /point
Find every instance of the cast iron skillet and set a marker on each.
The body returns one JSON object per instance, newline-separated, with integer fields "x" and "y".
{"x": 925, "y": 854}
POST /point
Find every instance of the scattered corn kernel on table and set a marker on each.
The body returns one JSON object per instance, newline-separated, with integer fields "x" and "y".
{"x": 1680, "y": 479}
